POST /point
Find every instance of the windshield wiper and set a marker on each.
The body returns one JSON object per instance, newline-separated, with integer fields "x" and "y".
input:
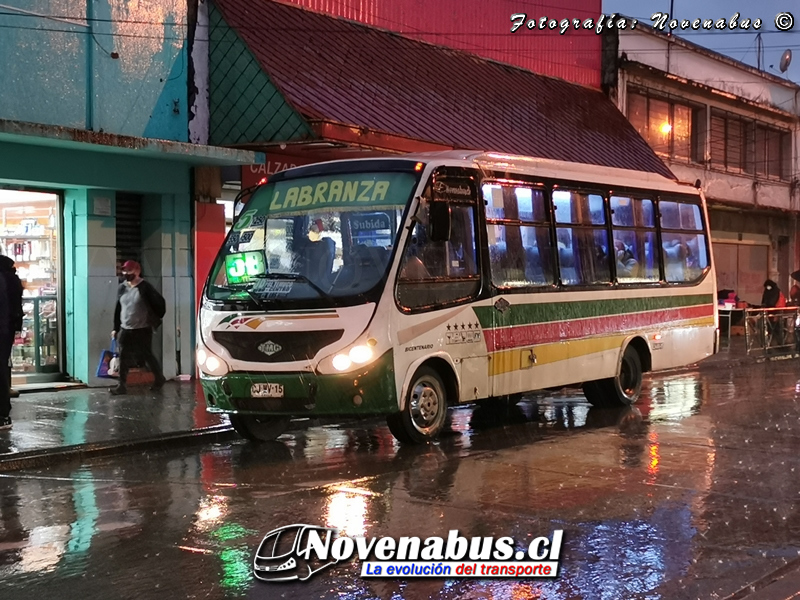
{"x": 297, "y": 277}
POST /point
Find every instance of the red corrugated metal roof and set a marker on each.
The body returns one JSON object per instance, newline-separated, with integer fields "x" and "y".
{"x": 332, "y": 69}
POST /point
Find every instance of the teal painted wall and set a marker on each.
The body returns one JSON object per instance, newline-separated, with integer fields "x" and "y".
{"x": 89, "y": 245}
{"x": 26, "y": 164}
{"x": 245, "y": 106}
{"x": 91, "y": 280}
{"x": 61, "y": 71}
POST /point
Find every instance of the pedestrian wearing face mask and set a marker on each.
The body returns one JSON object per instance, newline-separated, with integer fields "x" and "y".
{"x": 138, "y": 313}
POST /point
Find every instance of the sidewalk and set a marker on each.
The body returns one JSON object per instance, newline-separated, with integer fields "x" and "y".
{"x": 77, "y": 423}
{"x": 731, "y": 353}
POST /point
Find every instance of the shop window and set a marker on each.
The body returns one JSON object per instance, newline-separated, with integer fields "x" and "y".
{"x": 520, "y": 251}
{"x": 583, "y": 249}
{"x": 29, "y": 235}
{"x": 635, "y": 245}
{"x": 435, "y": 273}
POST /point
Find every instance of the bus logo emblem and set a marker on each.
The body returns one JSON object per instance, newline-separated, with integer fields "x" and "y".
{"x": 269, "y": 348}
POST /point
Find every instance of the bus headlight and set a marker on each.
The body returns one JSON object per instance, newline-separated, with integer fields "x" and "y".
{"x": 358, "y": 355}
{"x": 210, "y": 363}
{"x": 341, "y": 362}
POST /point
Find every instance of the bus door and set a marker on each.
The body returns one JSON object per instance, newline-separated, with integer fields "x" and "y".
{"x": 440, "y": 274}
{"x": 522, "y": 264}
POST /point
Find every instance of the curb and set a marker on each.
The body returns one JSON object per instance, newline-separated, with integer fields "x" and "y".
{"x": 52, "y": 456}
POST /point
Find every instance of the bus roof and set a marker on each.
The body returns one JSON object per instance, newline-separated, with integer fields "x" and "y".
{"x": 542, "y": 167}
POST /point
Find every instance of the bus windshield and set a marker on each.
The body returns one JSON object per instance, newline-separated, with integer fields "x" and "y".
{"x": 321, "y": 240}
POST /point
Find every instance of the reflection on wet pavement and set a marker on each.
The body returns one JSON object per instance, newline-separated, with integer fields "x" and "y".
{"x": 49, "y": 420}
{"x": 691, "y": 494}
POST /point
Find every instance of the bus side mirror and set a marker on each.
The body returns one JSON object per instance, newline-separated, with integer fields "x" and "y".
{"x": 440, "y": 221}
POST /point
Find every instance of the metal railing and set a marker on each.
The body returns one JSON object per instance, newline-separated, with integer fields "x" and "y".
{"x": 772, "y": 332}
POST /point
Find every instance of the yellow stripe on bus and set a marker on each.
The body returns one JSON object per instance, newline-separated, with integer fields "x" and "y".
{"x": 512, "y": 360}
{"x": 508, "y": 361}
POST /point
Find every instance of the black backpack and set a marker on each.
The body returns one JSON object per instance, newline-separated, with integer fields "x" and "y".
{"x": 156, "y": 302}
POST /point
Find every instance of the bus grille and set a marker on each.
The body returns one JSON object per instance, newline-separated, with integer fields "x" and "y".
{"x": 259, "y": 346}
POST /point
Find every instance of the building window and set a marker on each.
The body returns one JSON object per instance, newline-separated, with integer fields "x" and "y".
{"x": 667, "y": 126}
{"x": 745, "y": 146}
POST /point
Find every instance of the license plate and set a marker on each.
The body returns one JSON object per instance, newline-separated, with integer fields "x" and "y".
{"x": 267, "y": 390}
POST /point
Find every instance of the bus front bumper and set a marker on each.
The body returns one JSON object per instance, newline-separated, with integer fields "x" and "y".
{"x": 370, "y": 390}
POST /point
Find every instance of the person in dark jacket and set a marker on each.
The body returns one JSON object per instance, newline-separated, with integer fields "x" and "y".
{"x": 773, "y": 296}
{"x": 139, "y": 311}
{"x": 10, "y": 322}
{"x": 11, "y": 317}
{"x": 9, "y": 272}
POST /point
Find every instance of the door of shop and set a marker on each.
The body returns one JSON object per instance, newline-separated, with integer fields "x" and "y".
{"x": 742, "y": 268}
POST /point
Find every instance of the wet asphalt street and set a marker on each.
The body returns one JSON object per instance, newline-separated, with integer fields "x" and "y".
{"x": 693, "y": 494}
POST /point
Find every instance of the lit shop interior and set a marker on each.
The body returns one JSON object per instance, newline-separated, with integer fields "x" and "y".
{"x": 29, "y": 235}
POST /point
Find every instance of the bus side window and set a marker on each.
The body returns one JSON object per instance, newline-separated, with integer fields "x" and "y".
{"x": 634, "y": 235}
{"x": 683, "y": 241}
{"x": 584, "y": 250}
{"x": 520, "y": 252}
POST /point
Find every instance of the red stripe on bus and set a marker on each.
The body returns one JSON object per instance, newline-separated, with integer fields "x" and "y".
{"x": 507, "y": 338}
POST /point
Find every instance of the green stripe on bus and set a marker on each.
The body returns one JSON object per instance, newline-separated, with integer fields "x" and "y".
{"x": 527, "y": 314}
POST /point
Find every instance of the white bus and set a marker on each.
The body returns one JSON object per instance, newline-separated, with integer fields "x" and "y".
{"x": 402, "y": 286}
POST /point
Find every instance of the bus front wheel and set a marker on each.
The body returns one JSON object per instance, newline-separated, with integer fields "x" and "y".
{"x": 257, "y": 428}
{"x": 425, "y": 411}
{"x": 622, "y": 390}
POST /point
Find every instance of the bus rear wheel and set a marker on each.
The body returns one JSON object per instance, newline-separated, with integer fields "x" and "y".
{"x": 259, "y": 428}
{"x": 622, "y": 390}
{"x": 425, "y": 412}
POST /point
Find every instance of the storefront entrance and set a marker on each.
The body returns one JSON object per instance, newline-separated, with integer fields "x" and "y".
{"x": 743, "y": 268}
{"x": 30, "y": 235}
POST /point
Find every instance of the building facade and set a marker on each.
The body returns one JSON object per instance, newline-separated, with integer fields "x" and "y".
{"x": 96, "y": 167}
{"x": 730, "y": 126}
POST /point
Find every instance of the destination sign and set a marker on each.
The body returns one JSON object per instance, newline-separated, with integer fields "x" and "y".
{"x": 335, "y": 192}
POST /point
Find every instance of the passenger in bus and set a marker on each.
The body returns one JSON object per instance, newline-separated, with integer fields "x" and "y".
{"x": 675, "y": 259}
{"x": 314, "y": 260}
{"x": 627, "y": 265}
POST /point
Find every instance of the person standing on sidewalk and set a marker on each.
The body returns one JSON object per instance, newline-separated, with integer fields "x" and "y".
{"x": 138, "y": 313}
{"x": 14, "y": 289}
{"x": 5, "y": 335}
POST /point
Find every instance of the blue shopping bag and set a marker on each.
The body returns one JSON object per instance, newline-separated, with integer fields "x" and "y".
{"x": 109, "y": 362}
